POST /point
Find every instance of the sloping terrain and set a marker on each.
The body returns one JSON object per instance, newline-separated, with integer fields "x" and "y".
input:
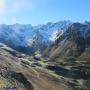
{"x": 65, "y": 65}
{"x": 69, "y": 56}
{"x": 19, "y": 73}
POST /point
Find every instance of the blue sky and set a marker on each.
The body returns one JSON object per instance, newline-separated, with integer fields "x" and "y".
{"x": 42, "y": 11}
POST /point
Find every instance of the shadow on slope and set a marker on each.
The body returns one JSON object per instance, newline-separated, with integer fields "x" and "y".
{"x": 22, "y": 79}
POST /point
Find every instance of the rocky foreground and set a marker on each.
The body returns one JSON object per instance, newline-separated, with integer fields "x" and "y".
{"x": 21, "y": 72}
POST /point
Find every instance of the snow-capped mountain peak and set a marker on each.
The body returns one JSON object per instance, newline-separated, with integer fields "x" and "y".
{"x": 56, "y": 34}
{"x": 39, "y": 37}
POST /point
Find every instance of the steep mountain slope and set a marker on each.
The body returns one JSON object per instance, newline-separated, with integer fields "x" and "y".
{"x": 69, "y": 56}
{"x": 21, "y": 37}
{"x": 69, "y": 46}
{"x": 38, "y": 42}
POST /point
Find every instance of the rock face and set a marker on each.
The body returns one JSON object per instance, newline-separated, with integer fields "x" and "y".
{"x": 28, "y": 38}
{"x": 72, "y": 44}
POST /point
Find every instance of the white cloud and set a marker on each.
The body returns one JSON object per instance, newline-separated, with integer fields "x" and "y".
{"x": 17, "y": 6}
{"x": 11, "y": 9}
{"x": 2, "y": 7}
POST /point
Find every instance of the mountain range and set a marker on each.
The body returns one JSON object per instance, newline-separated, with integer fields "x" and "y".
{"x": 69, "y": 56}
{"x": 72, "y": 44}
{"x": 55, "y": 56}
{"x": 28, "y": 38}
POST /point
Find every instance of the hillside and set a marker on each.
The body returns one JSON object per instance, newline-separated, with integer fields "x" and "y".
{"x": 65, "y": 64}
{"x": 21, "y": 72}
{"x": 70, "y": 56}
{"x": 75, "y": 42}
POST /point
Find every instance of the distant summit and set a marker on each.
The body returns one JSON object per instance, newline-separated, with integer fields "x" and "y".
{"x": 22, "y": 37}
